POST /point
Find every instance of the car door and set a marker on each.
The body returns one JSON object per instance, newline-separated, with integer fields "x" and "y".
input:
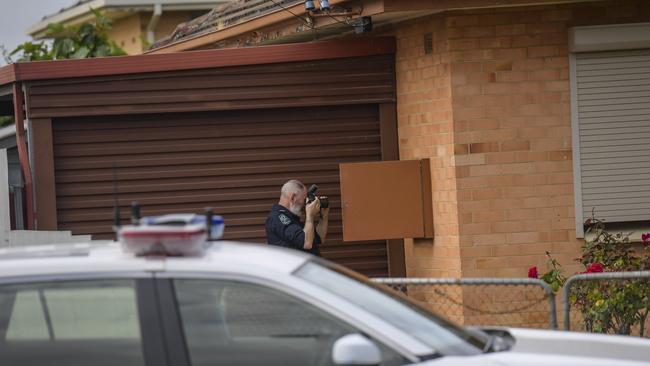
{"x": 238, "y": 322}
{"x": 80, "y": 322}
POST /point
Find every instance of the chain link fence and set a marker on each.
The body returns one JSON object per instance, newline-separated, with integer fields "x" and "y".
{"x": 612, "y": 302}
{"x": 515, "y": 302}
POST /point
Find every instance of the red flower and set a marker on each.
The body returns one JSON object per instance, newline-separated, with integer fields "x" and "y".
{"x": 532, "y": 272}
{"x": 645, "y": 237}
{"x": 595, "y": 268}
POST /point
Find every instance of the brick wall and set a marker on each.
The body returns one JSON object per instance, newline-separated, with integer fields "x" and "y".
{"x": 426, "y": 131}
{"x": 491, "y": 107}
{"x": 511, "y": 104}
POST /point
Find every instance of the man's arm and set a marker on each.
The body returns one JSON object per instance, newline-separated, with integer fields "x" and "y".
{"x": 311, "y": 210}
{"x": 321, "y": 227}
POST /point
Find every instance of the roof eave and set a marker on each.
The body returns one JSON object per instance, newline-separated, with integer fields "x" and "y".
{"x": 83, "y": 12}
{"x": 203, "y": 39}
{"x": 123, "y": 65}
{"x": 7, "y": 74}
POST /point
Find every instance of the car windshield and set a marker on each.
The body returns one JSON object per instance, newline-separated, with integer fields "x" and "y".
{"x": 444, "y": 337}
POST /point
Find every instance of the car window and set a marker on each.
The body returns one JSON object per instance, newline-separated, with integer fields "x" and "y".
{"x": 237, "y": 323}
{"x": 74, "y": 323}
{"x": 444, "y": 337}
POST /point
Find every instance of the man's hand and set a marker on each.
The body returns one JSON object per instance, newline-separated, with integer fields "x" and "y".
{"x": 324, "y": 212}
{"x": 321, "y": 228}
{"x": 312, "y": 209}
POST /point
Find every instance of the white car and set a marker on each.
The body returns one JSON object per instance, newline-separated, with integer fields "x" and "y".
{"x": 242, "y": 304}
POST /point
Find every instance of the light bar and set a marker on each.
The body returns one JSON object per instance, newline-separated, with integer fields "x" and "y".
{"x": 170, "y": 235}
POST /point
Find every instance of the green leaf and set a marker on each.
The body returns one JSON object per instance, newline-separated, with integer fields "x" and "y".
{"x": 102, "y": 51}
{"x": 82, "y": 52}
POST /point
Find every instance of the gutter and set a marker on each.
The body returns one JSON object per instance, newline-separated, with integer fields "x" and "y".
{"x": 254, "y": 24}
{"x": 38, "y": 30}
{"x": 153, "y": 22}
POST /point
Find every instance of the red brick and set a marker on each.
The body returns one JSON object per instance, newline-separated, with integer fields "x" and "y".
{"x": 526, "y": 237}
{"x": 473, "y": 32}
{"x": 483, "y": 170}
{"x": 543, "y": 51}
{"x": 466, "y": 67}
{"x": 474, "y": 252}
{"x": 491, "y": 263}
{"x": 497, "y": 66}
{"x": 501, "y": 158}
{"x": 521, "y": 214}
{"x": 478, "y": 55}
{"x": 518, "y": 168}
{"x": 507, "y": 204}
{"x": 555, "y": 39}
{"x": 486, "y": 194}
{"x": 496, "y": 19}
{"x": 479, "y": 228}
{"x": 483, "y": 147}
{"x": 510, "y": 29}
{"x": 557, "y": 15}
{"x": 552, "y": 74}
{"x": 531, "y": 156}
{"x": 560, "y": 155}
{"x": 490, "y": 216}
{"x": 489, "y": 239}
{"x": 519, "y": 192}
{"x": 463, "y": 44}
{"x": 528, "y": 64}
{"x": 526, "y": 40}
{"x": 511, "y": 54}
{"x": 461, "y": 149}
{"x": 557, "y": 85}
{"x": 509, "y": 76}
{"x": 515, "y": 145}
{"x": 498, "y": 88}
{"x": 462, "y": 21}
{"x": 507, "y": 227}
{"x": 556, "y": 62}
{"x": 498, "y": 42}
{"x": 545, "y": 28}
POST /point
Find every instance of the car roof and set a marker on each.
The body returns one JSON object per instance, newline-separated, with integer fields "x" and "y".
{"x": 109, "y": 258}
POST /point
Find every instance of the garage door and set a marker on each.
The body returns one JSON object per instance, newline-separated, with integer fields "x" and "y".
{"x": 234, "y": 161}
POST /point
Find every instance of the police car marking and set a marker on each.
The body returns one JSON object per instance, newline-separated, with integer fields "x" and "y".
{"x": 284, "y": 219}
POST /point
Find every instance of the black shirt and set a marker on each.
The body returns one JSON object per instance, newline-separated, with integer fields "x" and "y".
{"x": 284, "y": 229}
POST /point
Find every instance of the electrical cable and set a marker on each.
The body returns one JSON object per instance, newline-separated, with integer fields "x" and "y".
{"x": 336, "y": 20}
{"x": 295, "y": 15}
{"x": 306, "y": 22}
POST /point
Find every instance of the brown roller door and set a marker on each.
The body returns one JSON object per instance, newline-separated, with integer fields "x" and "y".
{"x": 234, "y": 161}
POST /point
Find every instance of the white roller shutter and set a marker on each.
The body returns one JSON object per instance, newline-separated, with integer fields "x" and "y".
{"x": 611, "y": 105}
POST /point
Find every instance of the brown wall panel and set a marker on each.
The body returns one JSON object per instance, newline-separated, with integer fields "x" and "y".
{"x": 360, "y": 80}
{"x": 43, "y": 170}
{"x": 234, "y": 161}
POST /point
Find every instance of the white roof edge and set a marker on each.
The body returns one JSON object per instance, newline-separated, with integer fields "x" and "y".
{"x": 83, "y": 9}
{"x": 7, "y": 131}
{"x": 67, "y": 14}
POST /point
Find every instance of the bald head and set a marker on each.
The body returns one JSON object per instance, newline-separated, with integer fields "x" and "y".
{"x": 293, "y": 195}
{"x": 292, "y": 187}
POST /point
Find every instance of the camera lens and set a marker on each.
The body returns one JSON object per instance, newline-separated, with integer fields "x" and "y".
{"x": 324, "y": 202}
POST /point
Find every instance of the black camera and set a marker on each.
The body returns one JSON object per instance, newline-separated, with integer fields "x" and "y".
{"x": 311, "y": 196}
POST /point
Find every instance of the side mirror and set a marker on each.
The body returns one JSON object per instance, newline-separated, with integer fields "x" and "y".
{"x": 355, "y": 350}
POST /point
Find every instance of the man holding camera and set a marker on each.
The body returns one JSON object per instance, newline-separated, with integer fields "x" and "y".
{"x": 283, "y": 226}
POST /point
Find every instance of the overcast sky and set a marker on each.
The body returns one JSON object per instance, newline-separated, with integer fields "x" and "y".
{"x": 17, "y": 15}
